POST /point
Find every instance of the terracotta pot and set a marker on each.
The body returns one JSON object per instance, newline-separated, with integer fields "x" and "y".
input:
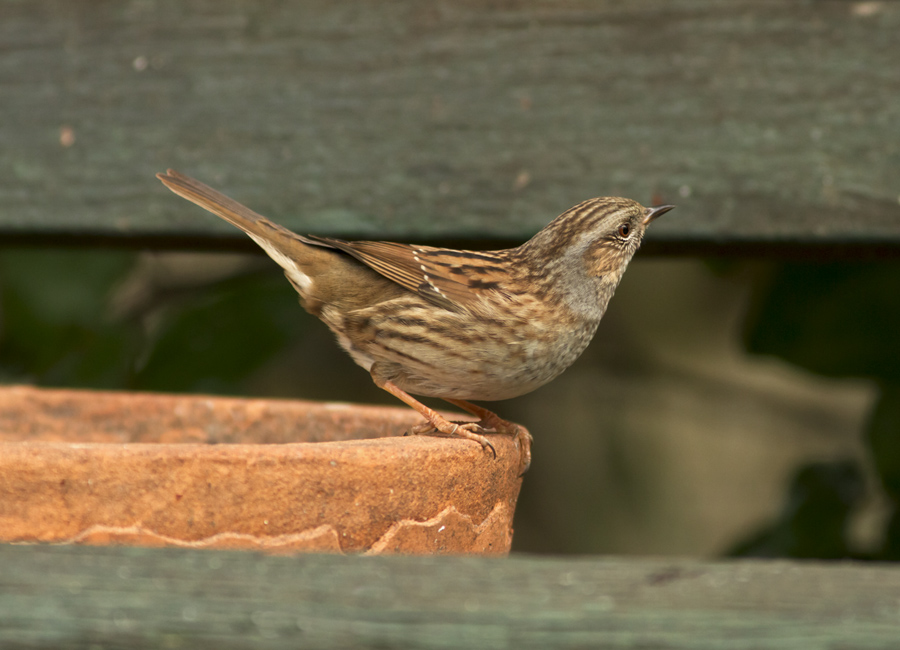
{"x": 85, "y": 467}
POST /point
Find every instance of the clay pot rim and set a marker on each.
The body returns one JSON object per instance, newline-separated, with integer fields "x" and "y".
{"x": 390, "y": 447}
{"x": 217, "y": 472}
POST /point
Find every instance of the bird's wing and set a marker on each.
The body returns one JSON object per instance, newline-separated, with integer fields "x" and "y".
{"x": 447, "y": 278}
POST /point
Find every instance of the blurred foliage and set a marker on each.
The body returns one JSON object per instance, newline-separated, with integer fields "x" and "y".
{"x": 50, "y": 332}
{"x": 226, "y": 331}
{"x": 57, "y": 327}
{"x": 837, "y": 319}
{"x": 813, "y": 521}
{"x": 883, "y": 438}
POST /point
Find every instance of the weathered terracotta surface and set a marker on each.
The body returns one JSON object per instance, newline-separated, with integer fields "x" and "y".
{"x": 211, "y": 472}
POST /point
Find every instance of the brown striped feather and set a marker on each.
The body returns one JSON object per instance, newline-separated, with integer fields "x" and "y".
{"x": 447, "y": 278}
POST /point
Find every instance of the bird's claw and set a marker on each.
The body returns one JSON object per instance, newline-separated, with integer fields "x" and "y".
{"x": 475, "y": 431}
{"x": 462, "y": 429}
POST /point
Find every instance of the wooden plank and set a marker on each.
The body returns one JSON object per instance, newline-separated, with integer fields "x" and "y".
{"x": 83, "y": 597}
{"x": 765, "y": 121}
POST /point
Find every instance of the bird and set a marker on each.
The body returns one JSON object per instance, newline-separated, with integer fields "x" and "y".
{"x": 458, "y": 325}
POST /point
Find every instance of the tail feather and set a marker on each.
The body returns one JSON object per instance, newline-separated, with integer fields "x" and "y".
{"x": 217, "y": 203}
{"x": 321, "y": 274}
{"x": 282, "y": 245}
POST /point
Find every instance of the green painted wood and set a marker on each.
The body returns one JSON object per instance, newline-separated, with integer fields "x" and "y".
{"x": 764, "y": 121}
{"x": 81, "y": 597}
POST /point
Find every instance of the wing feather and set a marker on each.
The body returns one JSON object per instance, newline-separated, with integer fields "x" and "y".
{"x": 447, "y": 278}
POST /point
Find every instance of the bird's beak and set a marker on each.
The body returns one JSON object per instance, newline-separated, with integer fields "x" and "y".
{"x": 656, "y": 211}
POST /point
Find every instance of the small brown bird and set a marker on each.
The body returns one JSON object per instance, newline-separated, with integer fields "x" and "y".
{"x": 458, "y": 325}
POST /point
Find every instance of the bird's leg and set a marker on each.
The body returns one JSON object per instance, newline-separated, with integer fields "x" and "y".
{"x": 490, "y": 420}
{"x": 437, "y": 422}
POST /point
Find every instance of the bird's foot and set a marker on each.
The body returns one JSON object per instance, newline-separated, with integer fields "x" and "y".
{"x": 493, "y": 422}
{"x": 442, "y": 427}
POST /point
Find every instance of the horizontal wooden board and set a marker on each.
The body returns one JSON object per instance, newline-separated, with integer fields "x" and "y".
{"x": 82, "y": 597}
{"x": 765, "y": 121}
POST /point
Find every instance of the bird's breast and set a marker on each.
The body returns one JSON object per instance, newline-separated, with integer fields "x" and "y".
{"x": 463, "y": 355}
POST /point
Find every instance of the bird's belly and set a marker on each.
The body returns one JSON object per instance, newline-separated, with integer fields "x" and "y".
{"x": 503, "y": 372}
{"x": 464, "y": 360}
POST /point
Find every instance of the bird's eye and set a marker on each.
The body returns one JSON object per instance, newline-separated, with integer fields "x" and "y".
{"x": 624, "y": 230}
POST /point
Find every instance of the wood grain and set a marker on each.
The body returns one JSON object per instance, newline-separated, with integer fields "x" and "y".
{"x": 79, "y": 597}
{"x": 766, "y": 122}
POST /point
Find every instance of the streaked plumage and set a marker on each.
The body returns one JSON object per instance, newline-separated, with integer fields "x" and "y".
{"x": 459, "y": 325}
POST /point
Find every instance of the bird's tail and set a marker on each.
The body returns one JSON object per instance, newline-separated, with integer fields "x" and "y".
{"x": 220, "y": 205}
{"x": 289, "y": 250}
